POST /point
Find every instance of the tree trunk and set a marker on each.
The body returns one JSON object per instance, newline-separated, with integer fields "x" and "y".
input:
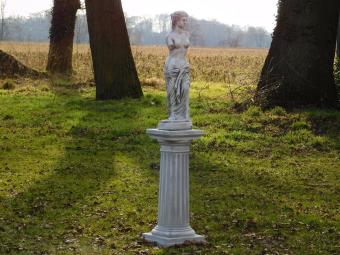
{"x": 298, "y": 70}
{"x": 338, "y": 40}
{"x": 114, "y": 68}
{"x": 61, "y": 36}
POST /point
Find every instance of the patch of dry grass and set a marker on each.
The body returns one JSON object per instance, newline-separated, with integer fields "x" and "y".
{"x": 231, "y": 66}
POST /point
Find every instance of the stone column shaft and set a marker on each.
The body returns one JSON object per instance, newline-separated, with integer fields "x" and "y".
{"x": 174, "y": 187}
{"x": 173, "y": 198}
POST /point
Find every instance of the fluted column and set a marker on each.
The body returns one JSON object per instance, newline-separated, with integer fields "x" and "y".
{"x": 173, "y": 226}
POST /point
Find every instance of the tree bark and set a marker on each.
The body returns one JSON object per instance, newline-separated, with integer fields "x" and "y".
{"x": 298, "y": 70}
{"x": 338, "y": 40}
{"x": 114, "y": 67}
{"x": 61, "y": 36}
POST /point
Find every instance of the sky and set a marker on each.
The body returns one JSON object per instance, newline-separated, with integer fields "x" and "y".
{"x": 239, "y": 12}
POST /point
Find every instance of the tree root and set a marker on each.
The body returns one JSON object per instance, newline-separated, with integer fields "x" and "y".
{"x": 11, "y": 67}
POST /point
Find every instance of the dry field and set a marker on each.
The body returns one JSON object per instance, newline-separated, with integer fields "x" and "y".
{"x": 233, "y": 66}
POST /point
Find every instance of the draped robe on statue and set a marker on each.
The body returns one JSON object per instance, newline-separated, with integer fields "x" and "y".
{"x": 177, "y": 77}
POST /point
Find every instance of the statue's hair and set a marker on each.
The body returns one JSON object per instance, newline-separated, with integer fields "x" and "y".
{"x": 176, "y": 16}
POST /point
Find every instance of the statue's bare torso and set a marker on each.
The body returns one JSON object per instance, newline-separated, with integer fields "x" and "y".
{"x": 178, "y": 44}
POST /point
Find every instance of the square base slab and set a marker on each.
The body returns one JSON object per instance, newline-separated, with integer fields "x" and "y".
{"x": 162, "y": 241}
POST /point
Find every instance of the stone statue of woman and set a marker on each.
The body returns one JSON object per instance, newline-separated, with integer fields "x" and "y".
{"x": 177, "y": 76}
{"x": 175, "y": 136}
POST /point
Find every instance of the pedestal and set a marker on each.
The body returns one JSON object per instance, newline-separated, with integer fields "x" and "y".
{"x": 173, "y": 226}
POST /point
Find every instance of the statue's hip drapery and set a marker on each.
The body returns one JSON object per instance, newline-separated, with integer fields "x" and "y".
{"x": 177, "y": 85}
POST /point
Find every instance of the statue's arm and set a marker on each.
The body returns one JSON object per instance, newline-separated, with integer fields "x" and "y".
{"x": 170, "y": 42}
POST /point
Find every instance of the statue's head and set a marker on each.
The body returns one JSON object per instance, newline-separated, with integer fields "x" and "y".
{"x": 179, "y": 18}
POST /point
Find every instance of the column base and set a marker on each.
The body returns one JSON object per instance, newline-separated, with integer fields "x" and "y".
{"x": 166, "y": 237}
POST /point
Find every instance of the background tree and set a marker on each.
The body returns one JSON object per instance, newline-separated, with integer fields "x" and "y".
{"x": 143, "y": 31}
{"x": 2, "y": 17}
{"x": 61, "y": 36}
{"x": 196, "y": 33}
{"x": 163, "y": 22}
{"x": 114, "y": 67}
{"x": 298, "y": 70}
{"x": 81, "y": 33}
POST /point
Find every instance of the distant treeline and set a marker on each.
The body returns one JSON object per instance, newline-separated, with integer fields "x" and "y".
{"x": 144, "y": 31}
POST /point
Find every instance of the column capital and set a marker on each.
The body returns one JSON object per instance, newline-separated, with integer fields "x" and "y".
{"x": 175, "y": 136}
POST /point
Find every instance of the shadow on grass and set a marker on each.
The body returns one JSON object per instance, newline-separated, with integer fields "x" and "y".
{"x": 104, "y": 186}
{"x": 67, "y": 206}
{"x": 48, "y": 214}
{"x": 326, "y": 123}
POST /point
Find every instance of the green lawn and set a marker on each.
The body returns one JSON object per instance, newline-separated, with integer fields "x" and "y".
{"x": 79, "y": 176}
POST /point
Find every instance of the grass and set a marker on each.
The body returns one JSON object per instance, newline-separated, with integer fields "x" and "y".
{"x": 79, "y": 176}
